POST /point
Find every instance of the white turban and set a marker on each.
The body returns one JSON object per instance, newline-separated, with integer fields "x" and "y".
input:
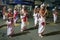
{"x": 23, "y": 6}
{"x": 42, "y": 5}
{"x": 36, "y": 6}
{"x": 54, "y": 9}
{"x": 9, "y": 9}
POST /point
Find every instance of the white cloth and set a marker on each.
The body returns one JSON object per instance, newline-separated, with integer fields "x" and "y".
{"x": 16, "y": 17}
{"x": 41, "y": 27}
{"x": 35, "y": 15}
{"x": 9, "y": 30}
{"x": 22, "y": 16}
{"x": 23, "y": 24}
{"x": 22, "y": 11}
{"x": 54, "y": 17}
{"x": 15, "y": 20}
{"x": 3, "y": 17}
{"x": 14, "y": 11}
{"x": 8, "y": 22}
{"x": 35, "y": 18}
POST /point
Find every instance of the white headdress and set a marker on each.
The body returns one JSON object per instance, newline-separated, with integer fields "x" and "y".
{"x": 9, "y": 9}
{"x": 36, "y": 6}
{"x": 42, "y": 5}
{"x": 53, "y": 9}
{"x": 23, "y": 6}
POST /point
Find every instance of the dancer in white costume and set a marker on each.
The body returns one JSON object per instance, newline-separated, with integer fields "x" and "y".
{"x": 41, "y": 27}
{"x": 10, "y": 23}
{"x": 23, "y": 23}
{"x": 4, "y": 11}
{"x": 23, "y": 19}
{"x": 55, "y": 12}
{"x": 9, "y": 27}
{"x": 42, "y": 21}
{"x": 35, "y": 15}
{"x": 15, "y": 15}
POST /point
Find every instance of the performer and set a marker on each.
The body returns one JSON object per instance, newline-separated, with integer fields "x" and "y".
{"x": 35, "y": 15}
{"x": 24, "y": 19}
{"x": 10, "y": 13}
{"x": 10, "y": 29}
{"x": 42, "y": 21}
{"x": 15, "y": 15}
{"x": 4, "y": 11}
{"x": 55, "y": 13}
{"x": 10, "y": 22}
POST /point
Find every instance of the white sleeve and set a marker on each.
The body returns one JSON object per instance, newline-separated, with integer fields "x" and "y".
{"x": 14, "y": 11}
{"x": 8, "y": 22}
{"x": 22, "y": 17}
{"x": 34, "y": 14}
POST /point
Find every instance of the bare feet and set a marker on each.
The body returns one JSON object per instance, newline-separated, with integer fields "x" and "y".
{"x": 40, "y": 36}
{"x": 21, "y": 30}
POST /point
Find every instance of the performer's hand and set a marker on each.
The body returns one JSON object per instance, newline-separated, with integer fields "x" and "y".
{"x": 6, "y": 14}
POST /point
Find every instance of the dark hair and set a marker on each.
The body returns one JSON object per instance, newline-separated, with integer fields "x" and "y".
{"x": 43, "y": 8}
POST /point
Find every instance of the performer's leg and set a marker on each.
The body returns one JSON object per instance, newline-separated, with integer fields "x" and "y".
{"x": 12, "y": 31}
{"x": 40, "y": 31}
{"x": 35, "y": 22}
{"x": 9, "y": 31}
{"x": 23, "y": 26}
{"x": 55, "y": 18}
{"x": 3, "y": 17}
{"x": 15, "y": 21}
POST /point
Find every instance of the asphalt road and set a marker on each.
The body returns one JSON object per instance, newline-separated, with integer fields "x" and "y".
{"x": 52, "y": 31}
